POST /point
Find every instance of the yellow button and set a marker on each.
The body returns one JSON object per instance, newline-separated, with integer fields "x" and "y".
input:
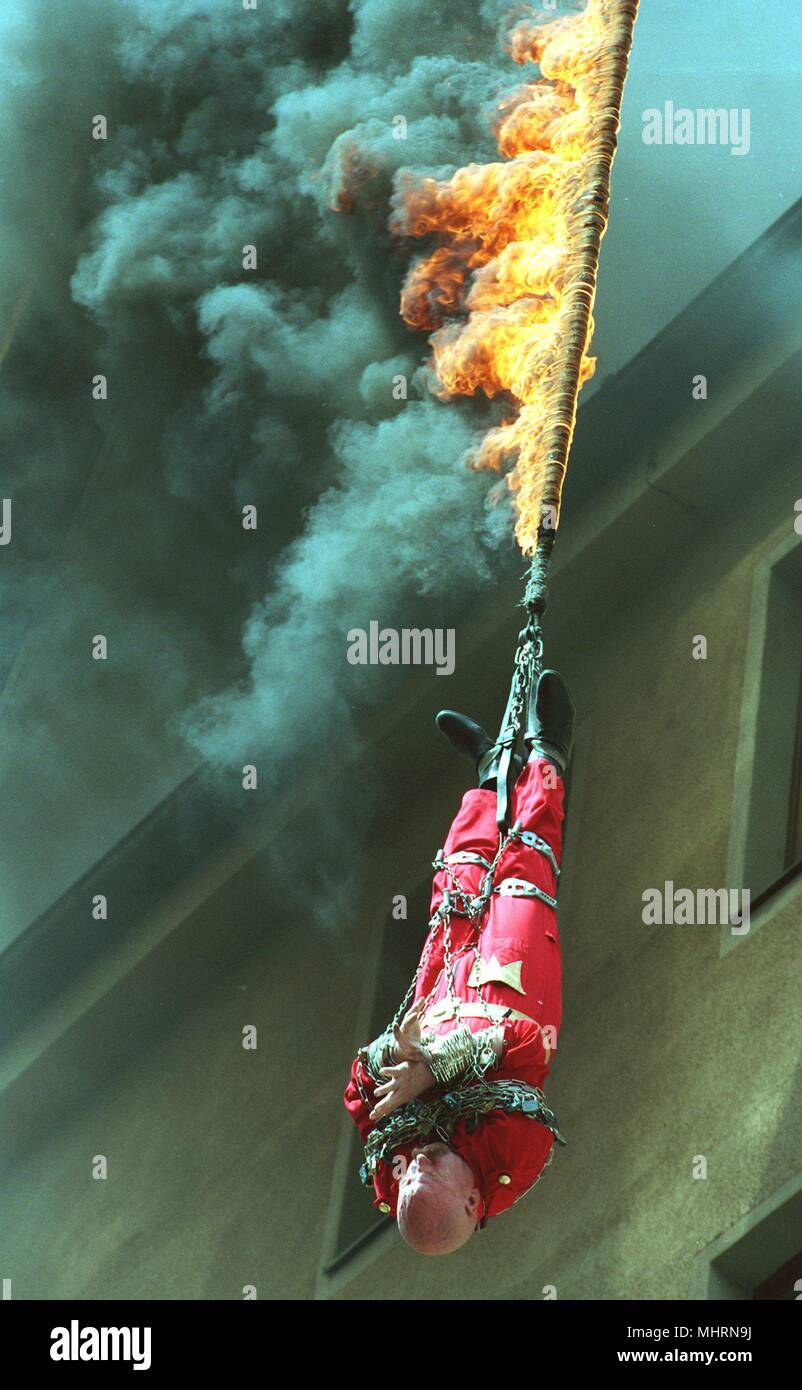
{"x": 505, "y": 1178}
{"x": 385, "y": 1208}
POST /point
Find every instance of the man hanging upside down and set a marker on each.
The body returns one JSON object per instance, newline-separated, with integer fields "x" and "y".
{"x": 448, "y": 1101}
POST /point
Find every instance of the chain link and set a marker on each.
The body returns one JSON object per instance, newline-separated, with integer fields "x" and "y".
{"x": 528, "y": 665}
{"x": 473, "y": 908}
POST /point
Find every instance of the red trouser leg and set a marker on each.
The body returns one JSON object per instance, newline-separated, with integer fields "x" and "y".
{"x": 514, "y": 929}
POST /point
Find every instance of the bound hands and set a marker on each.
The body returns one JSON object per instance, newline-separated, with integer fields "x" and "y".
{"x": 407, "y": 1044}
{"x": 411, "y": 1076}
{"x": 404, "y": 1083}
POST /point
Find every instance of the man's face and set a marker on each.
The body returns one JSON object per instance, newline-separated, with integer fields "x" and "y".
{"x": 436, "y": 1167}
{"x": 437, "y": 1200}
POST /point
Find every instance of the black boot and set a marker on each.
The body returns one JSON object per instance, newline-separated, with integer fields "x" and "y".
{"x": 474, "y": 743}
{"x": 487, "y": 771}
{"x": 550, "y": 720}
{"x": 465, "y": 735}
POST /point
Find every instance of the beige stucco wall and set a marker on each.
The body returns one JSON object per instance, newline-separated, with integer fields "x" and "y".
{"x": 222, "y": 1162}
{"x": 668, "y": 1050}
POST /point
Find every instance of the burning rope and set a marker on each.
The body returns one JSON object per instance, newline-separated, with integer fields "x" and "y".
{"x": 590, "y": 223}
{"x": 509, "y": 288}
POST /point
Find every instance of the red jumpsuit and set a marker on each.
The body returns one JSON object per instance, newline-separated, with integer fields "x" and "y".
{"x": 514, "y": 958}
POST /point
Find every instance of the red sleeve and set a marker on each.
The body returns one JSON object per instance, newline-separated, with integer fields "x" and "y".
{"x": 357, "y": 1107}
{"x": 525, "y": 1056}
{"x": 508, "y": 1152}
{"x": 506, "y": 1146}
{"x": 503, "y": 1145}
{"x": 385, "y": 1185}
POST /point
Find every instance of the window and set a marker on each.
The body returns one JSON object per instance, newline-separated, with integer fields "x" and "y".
{"x": 759, "y": 1258}
{"x": 765, "y": 854}
{"x": 784, "y": 1285}
{"x": 794, "y": 855}
{"x": 775, "y": 778}
{"x": 398, "y": 955}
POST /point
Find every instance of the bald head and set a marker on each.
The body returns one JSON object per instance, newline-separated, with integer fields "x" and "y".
{"x": 438, "y": 1201}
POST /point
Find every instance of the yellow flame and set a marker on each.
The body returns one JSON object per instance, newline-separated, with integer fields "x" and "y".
{"x": 492, "y": 292}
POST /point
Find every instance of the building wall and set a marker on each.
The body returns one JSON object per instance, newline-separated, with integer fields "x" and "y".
{"x": 668, "y": 1050}
{"x": 224, "y": 1163}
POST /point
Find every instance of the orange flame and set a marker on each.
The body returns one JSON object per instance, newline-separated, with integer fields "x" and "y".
{"x": 493, "y": 291}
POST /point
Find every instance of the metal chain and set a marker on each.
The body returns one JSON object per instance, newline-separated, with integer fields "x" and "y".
{"x": 443, "y": 1113}
{"x": 528, "y": 665}
{"x": 473, "y": 909}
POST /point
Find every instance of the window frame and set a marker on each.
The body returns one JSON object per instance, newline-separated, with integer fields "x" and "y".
{"x": 339, "y": 1264}
{"x": 769, "y": 670}
{"x": 738, "y": 1262}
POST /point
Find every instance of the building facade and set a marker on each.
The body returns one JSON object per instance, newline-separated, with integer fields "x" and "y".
{"x": 676, "y": 616}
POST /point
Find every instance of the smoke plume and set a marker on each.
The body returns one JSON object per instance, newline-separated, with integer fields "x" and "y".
{"x": 280, "y": 128}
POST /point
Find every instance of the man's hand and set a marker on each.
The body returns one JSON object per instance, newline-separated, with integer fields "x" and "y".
{"x": 406, "y": 1035}
{"x": 404, "y": 1083}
